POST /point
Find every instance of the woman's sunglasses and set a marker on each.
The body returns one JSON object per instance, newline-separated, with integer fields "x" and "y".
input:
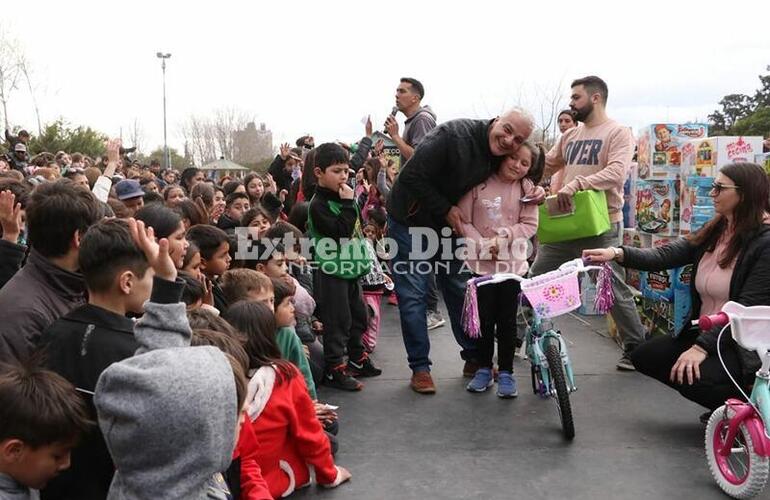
{"x": 717, "y": 187}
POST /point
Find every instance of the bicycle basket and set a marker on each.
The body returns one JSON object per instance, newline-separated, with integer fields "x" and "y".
{"x": 749, "y": 325}
{"x": 553, "y": 293}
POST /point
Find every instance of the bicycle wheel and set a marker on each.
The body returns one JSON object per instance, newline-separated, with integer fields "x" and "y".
{"x": 556, "y": 369}
{"x": 743, "y": 473}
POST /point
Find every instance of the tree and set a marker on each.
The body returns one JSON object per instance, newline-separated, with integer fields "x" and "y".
{"x": 136, "y": 136}
{"x": 549, "y": 104}
{"x": 26, "y": 71}
{"x": 210, "y": 138}
{"x": 178, "y": 162}
{"x": 10, "y": 70}
{"x": 757, "y": 123}
{"x": 762, "y": 96}
{"x": 60, "y": 136}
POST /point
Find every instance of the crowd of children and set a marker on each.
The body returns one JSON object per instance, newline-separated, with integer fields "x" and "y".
{"x": 121, "y": 291}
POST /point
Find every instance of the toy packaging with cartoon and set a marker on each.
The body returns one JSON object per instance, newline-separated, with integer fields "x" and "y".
{"x": 657, "y": 206}
{"x": 636, "y": 239}
{"x": 708, "y": 156}
{"x": 669, "y": 294}
{"x": 696, "y": 206}
{"x": 659, "y": 148}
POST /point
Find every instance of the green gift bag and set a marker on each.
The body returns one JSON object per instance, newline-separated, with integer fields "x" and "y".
{"x": 590, "y": 218}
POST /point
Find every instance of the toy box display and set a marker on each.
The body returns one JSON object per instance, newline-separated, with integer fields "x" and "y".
{"x": 659, "y": 148}
{"x": 696, "y": 206}
{"x": 763, "y": 160}
{"x": 656, "y": 316}
{"x": 629, "y": 197}
{"x": 657, "y": 206}
{"x": 636, "y": 239}
{"x": 707, "y": 156}
{"x": 671, "y": 287}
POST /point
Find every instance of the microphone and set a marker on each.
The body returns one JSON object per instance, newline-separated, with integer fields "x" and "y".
{"x": 393, "y": 113}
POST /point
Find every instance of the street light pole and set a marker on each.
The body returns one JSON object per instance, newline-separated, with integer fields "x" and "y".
{"x": 163, "y": 58}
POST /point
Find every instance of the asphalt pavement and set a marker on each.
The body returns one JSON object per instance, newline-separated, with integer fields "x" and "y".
{"x": 635, "y": 438}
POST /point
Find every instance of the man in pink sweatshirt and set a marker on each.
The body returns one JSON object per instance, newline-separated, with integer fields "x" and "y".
{"x": 595, "y": 156}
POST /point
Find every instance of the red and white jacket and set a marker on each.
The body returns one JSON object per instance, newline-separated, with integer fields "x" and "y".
{"x": 291, "y": 439}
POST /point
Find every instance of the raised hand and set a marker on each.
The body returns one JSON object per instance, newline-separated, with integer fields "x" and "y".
{"x": 155, "y": 252}
{"x": 285, "y": 151}
{"x": 10, "y": 216}
{"x": 379, "y": 146}
{"x": 113, "y": 150}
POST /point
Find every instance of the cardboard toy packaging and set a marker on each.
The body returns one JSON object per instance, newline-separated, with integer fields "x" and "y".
{"x": 696, "y": 206}
{"x": 659, "y": 148}
{"x": 707, "y": 156}
{"x": 636, "y": 239}
{"x": 672, "y": 287}
{"x": 763, "y": 160}
{"x": 629, "y": 197}
{"x": 657, "y": 206}
{"x": 656, "y": 316}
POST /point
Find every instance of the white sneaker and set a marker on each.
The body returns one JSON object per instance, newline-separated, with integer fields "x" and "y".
{"x": 435, "y": 320}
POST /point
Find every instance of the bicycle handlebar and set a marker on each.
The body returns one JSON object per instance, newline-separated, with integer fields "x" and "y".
{"x": 707, "y": 322}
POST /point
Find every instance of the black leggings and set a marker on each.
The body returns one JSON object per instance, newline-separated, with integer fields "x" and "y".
{"x": 657, "y": 356}
{"x": 497, "y": 304}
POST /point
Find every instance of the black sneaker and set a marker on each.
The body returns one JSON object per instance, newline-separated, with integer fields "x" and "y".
{"x": 340, "y": 379}
{"x": 363, "y": 368}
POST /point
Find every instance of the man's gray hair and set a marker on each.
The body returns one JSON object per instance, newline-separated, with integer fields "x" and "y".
{"x": 524, "y": 114}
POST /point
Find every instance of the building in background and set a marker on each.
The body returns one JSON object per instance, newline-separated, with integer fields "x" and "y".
{"x": 252, "y": 145}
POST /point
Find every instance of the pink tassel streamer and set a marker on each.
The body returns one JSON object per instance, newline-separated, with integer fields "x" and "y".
{"x": 605, "y": 299}
{"x": 470, "y": 318}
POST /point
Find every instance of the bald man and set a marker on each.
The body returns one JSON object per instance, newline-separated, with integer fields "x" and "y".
{"x": 449, "y": 161}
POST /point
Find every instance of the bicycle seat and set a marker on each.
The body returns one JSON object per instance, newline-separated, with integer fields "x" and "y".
{"x": 750, "y": 326}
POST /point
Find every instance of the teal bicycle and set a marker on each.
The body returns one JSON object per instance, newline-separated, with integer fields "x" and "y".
{"x": 548, "y": 296}
{"x": 737, "y": 434}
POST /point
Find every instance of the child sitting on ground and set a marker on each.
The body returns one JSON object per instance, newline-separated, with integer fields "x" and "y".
{"x": 247, "y": 284}
{"x": 242, "y": 315}
{"x": 41, "y": 419}
{"x": 284, "y": 417}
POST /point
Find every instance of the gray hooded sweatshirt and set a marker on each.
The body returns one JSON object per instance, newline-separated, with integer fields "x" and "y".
{"x": 11, "y": 490}
{"x": 169, "y": 413}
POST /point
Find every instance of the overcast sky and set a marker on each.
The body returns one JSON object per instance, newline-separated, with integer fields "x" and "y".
{"x": 319, "y": 67}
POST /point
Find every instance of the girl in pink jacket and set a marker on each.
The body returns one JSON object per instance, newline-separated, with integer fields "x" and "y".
{"x": 497, "y": 238}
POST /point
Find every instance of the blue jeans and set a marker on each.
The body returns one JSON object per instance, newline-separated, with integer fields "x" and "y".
{"x": 412, "y": 291}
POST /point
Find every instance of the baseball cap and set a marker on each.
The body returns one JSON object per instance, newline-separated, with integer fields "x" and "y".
{"x": 20, "y": 147}
{"x": 127, "y": 189}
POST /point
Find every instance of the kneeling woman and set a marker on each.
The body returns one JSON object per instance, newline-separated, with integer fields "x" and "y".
{"x": 731, "y": 261}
